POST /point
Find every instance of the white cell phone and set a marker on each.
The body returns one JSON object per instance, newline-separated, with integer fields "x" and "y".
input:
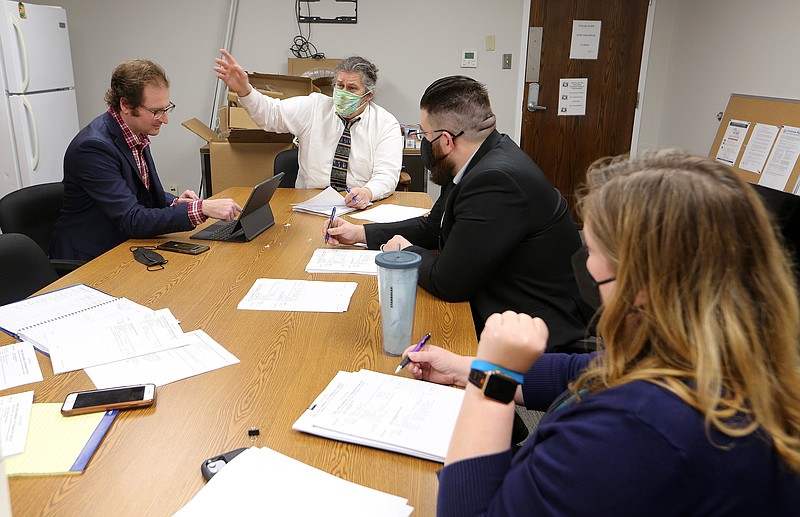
{"x": 123, "y": 397}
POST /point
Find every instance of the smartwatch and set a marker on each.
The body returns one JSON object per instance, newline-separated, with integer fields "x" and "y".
{"x": 494, "y": 382}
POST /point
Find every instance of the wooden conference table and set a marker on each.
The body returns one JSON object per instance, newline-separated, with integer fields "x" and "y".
{"x": 149, "y": 462}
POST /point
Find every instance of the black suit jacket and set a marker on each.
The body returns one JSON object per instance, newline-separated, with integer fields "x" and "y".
{"x": 105, "y": 202}
{"x": 501, "y": 238}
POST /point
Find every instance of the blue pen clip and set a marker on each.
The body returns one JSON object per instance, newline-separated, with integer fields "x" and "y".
{"x": 355, "y": 198}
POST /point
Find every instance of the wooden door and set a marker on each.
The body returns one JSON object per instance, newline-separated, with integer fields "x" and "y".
{"x": 563, "y": 146}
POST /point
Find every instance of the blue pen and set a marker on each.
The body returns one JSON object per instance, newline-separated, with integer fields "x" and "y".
{"x": 330, "y": 223}
{"x": 417, "y": 348}
{"x": 355, "y": 198}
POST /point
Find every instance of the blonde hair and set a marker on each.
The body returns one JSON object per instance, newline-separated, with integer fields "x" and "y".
{"x": 720, "y": 326}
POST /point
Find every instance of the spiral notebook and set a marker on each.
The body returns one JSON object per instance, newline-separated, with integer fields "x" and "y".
{"x": 21, "y": 319}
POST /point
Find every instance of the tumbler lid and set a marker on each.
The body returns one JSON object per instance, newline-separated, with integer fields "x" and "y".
{"x": 398, "y": 259}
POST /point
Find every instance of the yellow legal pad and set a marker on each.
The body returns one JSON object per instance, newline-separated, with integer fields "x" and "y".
{"x": 57, "y": 444}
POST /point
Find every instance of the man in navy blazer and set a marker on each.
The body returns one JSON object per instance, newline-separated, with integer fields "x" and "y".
{"x": 111, "y": 188}
{"x": 499, "y": 235}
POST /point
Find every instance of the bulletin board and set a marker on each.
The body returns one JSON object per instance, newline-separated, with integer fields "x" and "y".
{"x": 762, "y": 116}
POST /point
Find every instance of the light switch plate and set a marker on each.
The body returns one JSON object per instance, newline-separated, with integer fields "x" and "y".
{"x": 469, "y": 59}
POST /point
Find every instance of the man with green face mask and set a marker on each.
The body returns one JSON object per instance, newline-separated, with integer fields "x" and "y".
{"x": 345, "y": 141}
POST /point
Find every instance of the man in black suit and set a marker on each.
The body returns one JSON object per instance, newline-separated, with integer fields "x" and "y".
{"x": 499, "y": 235}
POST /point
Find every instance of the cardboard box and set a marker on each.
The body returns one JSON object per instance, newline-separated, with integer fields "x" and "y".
{"x": 239, "y": 162}
{"x": 322, "y": 79}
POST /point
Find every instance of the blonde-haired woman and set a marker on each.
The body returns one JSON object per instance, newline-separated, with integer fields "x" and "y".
{"x": 692, "y": 405}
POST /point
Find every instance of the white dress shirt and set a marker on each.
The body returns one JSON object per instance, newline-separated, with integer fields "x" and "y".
{"x": 376, "y": 148}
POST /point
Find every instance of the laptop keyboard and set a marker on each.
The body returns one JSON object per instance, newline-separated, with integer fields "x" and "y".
{"x": 225, "y": 232}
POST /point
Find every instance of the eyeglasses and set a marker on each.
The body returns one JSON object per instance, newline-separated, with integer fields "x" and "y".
{"x": 420, "y": 133}
{"x": 157, "y": 114}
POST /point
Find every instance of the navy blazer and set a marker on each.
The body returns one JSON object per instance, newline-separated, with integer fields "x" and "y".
{"x": 501, "y": 238}
{"x": 105, "y": 201}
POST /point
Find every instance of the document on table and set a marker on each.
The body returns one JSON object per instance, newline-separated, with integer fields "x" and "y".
{"x": 201, "y": 355}
{"x": 270, "y": 294}
{"x": 333, "y": 260}
{"x": 388, "y": 213}
{"x": 112, "y": 339}
{"x": 46, "y": 307}
{"x": 18, "y": 365}
{"x": 40, "y": 334}
{"x": 59, "y": 444}
{"x": 323, "y": 203}
{"x": 387, "y": 412}
{"x": 15, "y": 415}
{"x": 265, "y": 482}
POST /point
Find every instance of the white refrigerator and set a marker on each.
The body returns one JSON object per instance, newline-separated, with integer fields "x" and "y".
{"x": 38, "y": 110}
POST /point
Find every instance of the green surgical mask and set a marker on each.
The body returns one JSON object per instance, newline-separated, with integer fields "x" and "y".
{"x": 346, "y": 103}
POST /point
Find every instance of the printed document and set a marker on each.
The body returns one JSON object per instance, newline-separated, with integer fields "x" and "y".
{"x": 18, "y": 365}
{"x": 731, "y": 144}
{"x": 782, "y": 159}
{"x": 265, "y": 482}
{"x": 388, "y": 213}
{"x": 15, "y": 415}
{"x": 386, "y": 412}
{"x": 201, "y": 355}
{"x": 113, "y": 339}
{"x": 757, "y": 150}
{"x": 323, "y": 203}
{"x": 270, "y": 294}
{"x": 333, "y": 260}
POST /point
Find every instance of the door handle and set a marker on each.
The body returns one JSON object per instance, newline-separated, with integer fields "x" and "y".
{"x": 533, "y": 98}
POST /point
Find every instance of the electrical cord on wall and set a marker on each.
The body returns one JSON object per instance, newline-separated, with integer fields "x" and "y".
{"x": 302, "y": 46}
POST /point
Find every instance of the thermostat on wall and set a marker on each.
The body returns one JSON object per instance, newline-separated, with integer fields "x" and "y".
{"x": 469, "y": 59}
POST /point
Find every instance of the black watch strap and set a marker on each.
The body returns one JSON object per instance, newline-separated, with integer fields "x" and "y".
{"x": 494, "y": 384}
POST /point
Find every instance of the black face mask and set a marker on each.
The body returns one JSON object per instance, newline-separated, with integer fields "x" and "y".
{"x": 145, "y": 254}
{"x": 426, "y": 152}
{"x": 587, "y": 285}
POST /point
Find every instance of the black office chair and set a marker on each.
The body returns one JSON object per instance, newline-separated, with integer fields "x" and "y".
{"x": 33, "y": 211}
{"x": 286, "y": 162}
{"x": 24, "y": 268}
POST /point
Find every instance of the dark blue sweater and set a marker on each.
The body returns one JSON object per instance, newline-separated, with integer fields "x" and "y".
{"x": 633, "y": 450}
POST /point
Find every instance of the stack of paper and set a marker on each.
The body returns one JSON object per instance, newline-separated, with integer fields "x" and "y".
{"x": 386, "y": 412}
{"x": 265, "y": 482}
{"x": 331, "y": 260}
{"x": 115, "y": 339}
{"x": 323, "y": 203}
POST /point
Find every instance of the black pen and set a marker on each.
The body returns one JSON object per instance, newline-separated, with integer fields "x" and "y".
{"x": 417, "y": 348}
{"x": 330, "y": 223}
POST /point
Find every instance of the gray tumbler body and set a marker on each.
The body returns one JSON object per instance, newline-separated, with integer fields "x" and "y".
{"x": 398, "y": 272}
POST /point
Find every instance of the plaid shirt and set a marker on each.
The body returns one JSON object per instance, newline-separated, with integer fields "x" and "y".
{"x": 137, "y": 143}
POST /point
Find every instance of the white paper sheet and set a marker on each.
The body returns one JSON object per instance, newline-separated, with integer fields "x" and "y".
{"x": 114, "y": 339}
{"x": 334, "y": 260}
{"x": 389, "y": 213}
{"x": 201, "y": 355}
{"x": 782, "y": 159}
{"x": 385, "y": 411}
{"x": 265, "y": 482}
{"x": 18, "y": 365}
{"x": 757, "y": 150}
{"x": 15, "y": 415}
{"x": 270, "y": 294}
{"x": 572, "y": 96}
{"x": 585, "y": 41}
{"x": 322, "y": 203}
{"x": 731, "y": 144}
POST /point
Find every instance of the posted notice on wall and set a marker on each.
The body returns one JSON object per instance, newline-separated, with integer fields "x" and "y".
{"x": 572, "y": 96}
{"x": 731, "y": 144}
{"x": 782, "y": 159}
{"x": 585, "y": 39}
{"x": 757, "y": 150}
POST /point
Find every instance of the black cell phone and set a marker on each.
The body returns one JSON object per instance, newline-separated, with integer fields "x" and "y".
{"x": 183, "y": 247}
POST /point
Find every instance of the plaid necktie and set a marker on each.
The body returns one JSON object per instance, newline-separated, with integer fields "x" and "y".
{"x": 341, "y": 156}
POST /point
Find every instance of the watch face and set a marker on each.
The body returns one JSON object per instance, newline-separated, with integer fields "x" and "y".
{"x": 500, "y": 387}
